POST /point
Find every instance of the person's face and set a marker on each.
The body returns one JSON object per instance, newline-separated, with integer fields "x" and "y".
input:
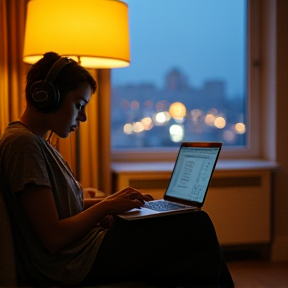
{"x": 72, "y": 111}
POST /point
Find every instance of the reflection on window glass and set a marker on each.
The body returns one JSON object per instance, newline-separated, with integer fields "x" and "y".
{"x": 187, "y": 78}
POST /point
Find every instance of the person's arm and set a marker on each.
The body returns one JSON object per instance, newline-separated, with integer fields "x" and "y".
{"x": 89, "y": 202}
{"x": 54, "y": 234}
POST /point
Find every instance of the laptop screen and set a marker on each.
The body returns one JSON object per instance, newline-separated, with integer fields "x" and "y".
{"x": 192, "y": 172}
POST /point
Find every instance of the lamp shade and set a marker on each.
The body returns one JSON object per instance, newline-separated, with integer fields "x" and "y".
{"x": 96, "y": 32}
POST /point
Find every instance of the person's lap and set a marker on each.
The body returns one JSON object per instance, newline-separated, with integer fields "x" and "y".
{"x": 178, "y": 250}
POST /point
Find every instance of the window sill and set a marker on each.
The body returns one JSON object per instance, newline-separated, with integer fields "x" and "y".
{"x": 222, "y": 165}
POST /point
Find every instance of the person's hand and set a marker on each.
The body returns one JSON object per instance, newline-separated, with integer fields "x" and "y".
{"x": 149, "y": 197}
{"x": 124, "y": 200}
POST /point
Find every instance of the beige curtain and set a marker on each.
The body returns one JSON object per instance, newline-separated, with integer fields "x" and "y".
{"x": 103, "y": 128}
{"x": 88, "y": 150}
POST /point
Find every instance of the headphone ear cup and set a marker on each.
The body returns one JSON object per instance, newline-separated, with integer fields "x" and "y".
{"x": 44, "y": 96}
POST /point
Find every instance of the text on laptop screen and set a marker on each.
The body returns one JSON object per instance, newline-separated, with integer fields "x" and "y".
{"x": 192, "y": 173}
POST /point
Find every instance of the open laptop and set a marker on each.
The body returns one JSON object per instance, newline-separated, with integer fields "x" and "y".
{"x": 188, "y": 184}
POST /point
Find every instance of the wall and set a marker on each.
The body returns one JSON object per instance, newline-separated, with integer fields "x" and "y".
{"x": 280, "y": 229}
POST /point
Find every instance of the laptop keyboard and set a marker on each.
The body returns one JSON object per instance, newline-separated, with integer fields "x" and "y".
{"x": 163, "y": 206}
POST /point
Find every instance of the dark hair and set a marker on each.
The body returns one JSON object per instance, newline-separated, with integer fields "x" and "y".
{"x": 69, "y": 78}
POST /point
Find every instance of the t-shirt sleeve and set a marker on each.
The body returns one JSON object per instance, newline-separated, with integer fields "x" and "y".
{"x": 25, "y": 163}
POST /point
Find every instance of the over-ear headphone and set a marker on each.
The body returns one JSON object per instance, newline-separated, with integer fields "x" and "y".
{"x": 45, "y": 96}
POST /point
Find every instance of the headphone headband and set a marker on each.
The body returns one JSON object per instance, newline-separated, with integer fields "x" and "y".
{"x": 56, "y": 68}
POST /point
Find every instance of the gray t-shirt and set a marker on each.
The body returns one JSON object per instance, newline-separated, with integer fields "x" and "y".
{"x": 26, "y": 158}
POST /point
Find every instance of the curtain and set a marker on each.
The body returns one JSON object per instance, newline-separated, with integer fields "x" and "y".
{"x": 104, "y": 129}
{"x": 88, "y": 150}
{"x": 12, "y": 68}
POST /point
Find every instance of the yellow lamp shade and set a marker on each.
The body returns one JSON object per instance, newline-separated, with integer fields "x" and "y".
{"x": 96, "y": 32}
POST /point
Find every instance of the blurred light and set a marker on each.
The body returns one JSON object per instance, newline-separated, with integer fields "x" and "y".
{"x": 160, "y": 117}
{"x": 128, "y": 128}
{"x": 176, "y": 133}
{"x": 240, "y": 128}
{"x": 209, "y": 119}
{"x": 134, "y": 105}
{"x": 148, "y": 104}
{"x": 196, "y": 115}
{"x": 147, "y": 123}
{"x": 220, "y": 122}
{"x": 160, "y": 106}
{"x": 167, "y": 116}
{"x": 138, "y": 127}
{"x": 124, "y": 104}
{"x": 228, "y": 136}
{"x": 177, "y": 110}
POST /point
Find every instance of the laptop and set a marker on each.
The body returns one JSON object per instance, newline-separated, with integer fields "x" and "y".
{"x": 188, "y": 184}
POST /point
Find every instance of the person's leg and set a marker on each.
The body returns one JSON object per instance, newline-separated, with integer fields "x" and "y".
{"x": 178, "y": 250}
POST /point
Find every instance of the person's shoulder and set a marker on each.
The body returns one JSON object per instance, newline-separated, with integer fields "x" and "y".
{"x": 18, "y": 136}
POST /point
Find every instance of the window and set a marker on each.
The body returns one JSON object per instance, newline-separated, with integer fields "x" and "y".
{"x": 188, "y": 79}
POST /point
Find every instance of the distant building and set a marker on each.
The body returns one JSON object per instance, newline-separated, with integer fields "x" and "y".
{"x": 176, "y": 80}
{"x": 132, "y": 102}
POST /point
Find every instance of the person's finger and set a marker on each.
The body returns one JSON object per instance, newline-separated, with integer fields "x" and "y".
{"x": 137, "y": 195}
{"x": 148, "y": 197}
{"x": 126, "y": 191}
{"x": 138, "y": 203}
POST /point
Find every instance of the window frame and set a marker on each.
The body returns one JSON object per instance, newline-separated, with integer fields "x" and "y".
{"x": 254, "y": 133}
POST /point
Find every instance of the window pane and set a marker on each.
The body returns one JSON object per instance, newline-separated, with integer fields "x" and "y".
{"x": 187, "y": 78}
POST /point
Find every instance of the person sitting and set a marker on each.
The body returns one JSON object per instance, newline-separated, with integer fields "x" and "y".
{"x": 60, "y": 242}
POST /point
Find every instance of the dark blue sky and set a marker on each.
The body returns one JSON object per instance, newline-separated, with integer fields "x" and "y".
{"x": 204, "y": 38}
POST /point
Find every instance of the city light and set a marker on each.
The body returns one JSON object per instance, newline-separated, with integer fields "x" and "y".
{"x": 162, "y": 117}
{"x": 228, "y": 136}
{"x": 240, "y": 128}
{"x": 148, "y": 104}
{"x": 220, "y": 122}
{"x": 177, "y": 110}
{"x": 167, "y": 116}
{"x": 176, "y": 133}
{"x": 209, "y": 119}
{"x": 134, "y": 105}
{"x": 196, "y": 114}
{"x": 147, "y": 123}
{"x": 160, "y": 106}
{"x": 124, "y": 104}
{"x": 138, "y": 127}
{"x": 128, "y": 128}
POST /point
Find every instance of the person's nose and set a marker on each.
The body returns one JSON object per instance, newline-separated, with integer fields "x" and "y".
{"x": 82, "y": 116}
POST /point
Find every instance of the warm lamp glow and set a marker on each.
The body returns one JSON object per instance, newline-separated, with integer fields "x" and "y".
{"x": 96, "y": 32}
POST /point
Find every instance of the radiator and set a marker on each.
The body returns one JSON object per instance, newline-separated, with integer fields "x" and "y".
{"x": 238, "y": 202}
